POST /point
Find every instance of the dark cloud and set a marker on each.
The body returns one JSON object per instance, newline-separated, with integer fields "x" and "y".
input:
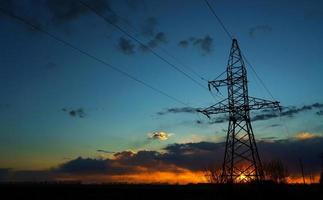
{"x": 126, "y": 46}
{"x": 178, "y": 110}
{"x": 274, "y": 125}
{"x": 263, "y": 115}
{"x": 149, "y": 26}
{"x": 183, "y": 43}
{"x": 143, "y": 48}
{"x": 205, "y": 44}
{"x": 268, "y": 138}
{"x": 320, "y": 113}
{"x": 289, "y": 151}
{"x": 270, "y": 114}
{"x": 286, "y": 112}
{"x": 159, "y": 38}
{"x": 63, "y": 11}
{"x": 84, "y": 165}
{"x": 266, "y": 116}
{"x": 191, "y": 156}
{"x": 216, "y": 120}
{"x": 57, "y": 12}
{"x": 79, "y": 112}
{"x": 104, "y": 151}
{"x": 253, "y": 31}
{"x": 195, "y": 156}
{"x": 219, "y": 120}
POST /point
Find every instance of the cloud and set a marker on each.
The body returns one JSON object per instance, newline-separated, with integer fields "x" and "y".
{"x": 105, "y": 151}
{"x": 179, "y": 157}
{"x": 79, "y": 112}
{"x": 216, "y": 120}
{"x": 305, "y": 136}
{"x": 159, "y": 135}
{"x": 286, "y": 112}
{"x": 84, "y": 165}
{"x": 149, "y": 25}
{"x": 57, "y": 12}
{"x": 205, "y": 44}
{"x": 267, "y": 116}
{"x": 177, "y": 110}
{"x": 253, "y": 31}
{"x": 63, "y": 11}
{"x": 159, "y": 38}
{"x": 183, "y": 43}
{"x": 126, "y": 46}
{"x": 263, "y": 115}
{"x": 274, "y": 125}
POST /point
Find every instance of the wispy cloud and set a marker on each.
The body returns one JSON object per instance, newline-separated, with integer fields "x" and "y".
{"x": 256, "y": 30}
{"x": 178, "y": 110}
{"x": 205, "y": 44}
{"x": 105, "y": 151}
{"x": 148, "y": 28}
{"x": 158, "y": 39}
{"x": 126, "y": 46}
{"x": 75, "y": 112}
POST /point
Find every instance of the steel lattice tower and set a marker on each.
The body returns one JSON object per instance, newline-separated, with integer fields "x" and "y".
{"x": 241, "y": 158}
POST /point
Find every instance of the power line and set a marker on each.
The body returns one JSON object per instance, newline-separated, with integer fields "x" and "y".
{"x": 139, "y": 42}
{"x": 231, "y": 37}
{"x": 261, "y": 81}
{"x": 219, "y": 20}
{"x": 163, "y": 49}
{"x": 12, "y": 15}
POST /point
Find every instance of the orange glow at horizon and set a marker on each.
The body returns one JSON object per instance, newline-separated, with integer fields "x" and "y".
{"x": 166, "y": 177}
{"x": 299, "y": 179}
{"x": 183, "y": 177}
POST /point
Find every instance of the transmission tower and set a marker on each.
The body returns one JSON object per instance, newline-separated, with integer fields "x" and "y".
{"x": 241, "y": 158}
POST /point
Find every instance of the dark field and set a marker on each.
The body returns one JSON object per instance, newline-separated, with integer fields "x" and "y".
{"x": 129, "y": 191}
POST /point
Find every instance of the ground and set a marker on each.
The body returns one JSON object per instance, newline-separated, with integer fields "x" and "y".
{"x": 132, "y": 191}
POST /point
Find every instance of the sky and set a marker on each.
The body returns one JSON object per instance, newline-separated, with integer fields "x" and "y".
{"x": 64, "y": 115}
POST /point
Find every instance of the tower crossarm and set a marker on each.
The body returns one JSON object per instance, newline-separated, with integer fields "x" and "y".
{"x": 258, "y": 103}
{"x": 220, "y": 107}
{"x": 217, "y": 83}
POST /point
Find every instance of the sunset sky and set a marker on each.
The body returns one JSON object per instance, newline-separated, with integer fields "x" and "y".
{"x": 66, "y": 116}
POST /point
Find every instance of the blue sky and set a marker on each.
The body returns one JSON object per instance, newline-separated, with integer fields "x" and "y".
{"x": 39, "y": 76}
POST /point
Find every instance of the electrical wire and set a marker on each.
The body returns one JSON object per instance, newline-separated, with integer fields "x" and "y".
{"x": 21, "y": 19}
{"x": 140, "y": 42}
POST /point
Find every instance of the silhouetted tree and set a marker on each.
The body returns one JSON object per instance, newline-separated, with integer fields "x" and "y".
{"x": 212, "y": 173}
{"x": 275, "y": 171}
